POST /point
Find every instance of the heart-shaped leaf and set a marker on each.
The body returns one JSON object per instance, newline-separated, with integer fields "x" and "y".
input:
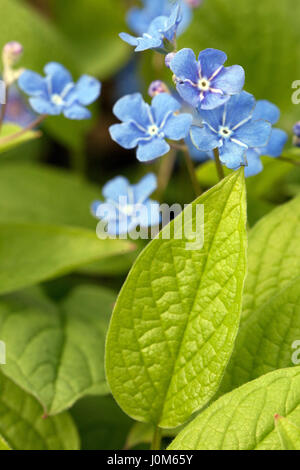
{"x": 23, "y": 426}
{"x": 244, "y": 418}
{"x": 176, "y": 319}
{"x": 56, "y": 352}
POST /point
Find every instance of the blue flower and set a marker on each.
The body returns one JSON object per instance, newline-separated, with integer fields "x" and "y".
{"x": 139, "y": 20}
{"x": 233, "y": 129}
{"x": 57, "y": 93}
{"x": 206, "y": 83}
{"x": 269, "y": 112}
{"x": 162, "y": 30}
{"x": 127, "y": 207}
{"x": 146, "y": 127}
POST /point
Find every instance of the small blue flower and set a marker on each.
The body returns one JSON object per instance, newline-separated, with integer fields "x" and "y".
{"x": 57, "y": 93}
{"x": 146, "y": 127}
{"x": 233, "y": 129}
{"x": 139, "y": 20}
{"x": 269, "y": 112}
{"x": 162, "y": 30}
{"x": 127, "y": 207}
{"x": 206, "y": 83}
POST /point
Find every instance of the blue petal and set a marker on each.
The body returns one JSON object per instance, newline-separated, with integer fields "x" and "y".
{"x": 210, "y": 60}
{"x": 204, "y": 139}
{"x": 254, "y": 133}
{"x": 254, "y": 166}
{"x": 145, "y": 188}
{"x": 126, "y": 134}
{"x": 177, "y": 126}
{"x": 60, "y": 77}
{"x": 196, "y": 155}
{"x": 213, "y": 117}
{"x": 33, "y": 84}
{"x": 230, "y": 80}
{"x": 239, "y": 108}
{"x": 150, "y": 216}
{"x": 185, "y": 66}
{"x": 213, "y": 101}
{"x": 266, "y": 110}
{"x": 276, "y": 143}
{"x": 189, "y": 93}
{"x": 116, "y": 188}
{"x": 133, "y": 107}
{"x": 148, "y": 151}
{"x": 77, "y": 112}
{"x": 43, "y": 106}
{"x": 232, "y": 155}
{"x": 88, "y": 89}
{"x": 163, "y": 104}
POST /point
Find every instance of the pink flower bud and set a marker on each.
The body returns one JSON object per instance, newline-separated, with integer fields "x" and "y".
{"x": 157, "y": 87}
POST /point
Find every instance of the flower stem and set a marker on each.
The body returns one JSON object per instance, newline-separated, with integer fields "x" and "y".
{"x": 191, "y": 170}
{"x": 165, "y": 173}
{"x": 17, "y": 135}
{"x": 156, "y": 441}
{"x": 289, "y": 160}
{"x": 219, "y": 166}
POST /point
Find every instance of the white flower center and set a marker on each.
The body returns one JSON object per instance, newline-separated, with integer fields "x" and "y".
{"x": 225, "y": 132}
{"x": 203, "y": 84}
{"x": 128, "y": 210}
{"x": 153, "y": 130}
{"x": 57, "y": 100}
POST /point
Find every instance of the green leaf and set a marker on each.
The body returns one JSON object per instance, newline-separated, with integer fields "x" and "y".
{"x": 274, "y": 253}
{"x": 23, "y": 426}
{"x": 260, "y": 36}
{"x": 92, "y": 26}
{"x": 10, "y": 129}
{"x": 3, "y": 444}
{"x": 56, "y": 352}
{"x": 271, "y": 317}
{"x": 33, "y": 253}
{"x": 101, "y": 423}
{"x": 289, "y": 433}
{"x": 176, "y": 319}
{"x": 244, "y": 418}
{"x": 26, "y": 195}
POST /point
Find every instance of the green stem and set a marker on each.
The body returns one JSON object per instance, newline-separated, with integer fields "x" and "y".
{"x": 156, "y": 441}
{"x": 219, "y": 166}
{"x": 165, "y": 173}
{"x": 191, "y": 170}
{"x": 32, "y": 125}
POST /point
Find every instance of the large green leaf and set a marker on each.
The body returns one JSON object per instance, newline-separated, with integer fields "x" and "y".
{"x": 259, "y": 35}
{"x": 274, "y": 253}
{"x": 271, "y": 317}
{"x": 92, "y": 26}
{"x": 176, "y": 319}
{"x": 23, "y": 426}
{"x": 265, "y": 338}
{"x": 244, "y": 418}
{"x": 288, "y": 432}
{"x": 101, "y": 423}
{"x": 32, "y": 253}
{"x": 56, "y": 352}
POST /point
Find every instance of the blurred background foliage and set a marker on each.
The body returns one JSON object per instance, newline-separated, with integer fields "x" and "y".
{"x": 53, "y": 179}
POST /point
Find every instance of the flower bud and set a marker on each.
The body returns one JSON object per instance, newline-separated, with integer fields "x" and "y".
{"x": 168, "y": 59}
{"x": 11, "y": 53}
{"x": 193, "y": 3}
{"x": 157, "y": 87}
